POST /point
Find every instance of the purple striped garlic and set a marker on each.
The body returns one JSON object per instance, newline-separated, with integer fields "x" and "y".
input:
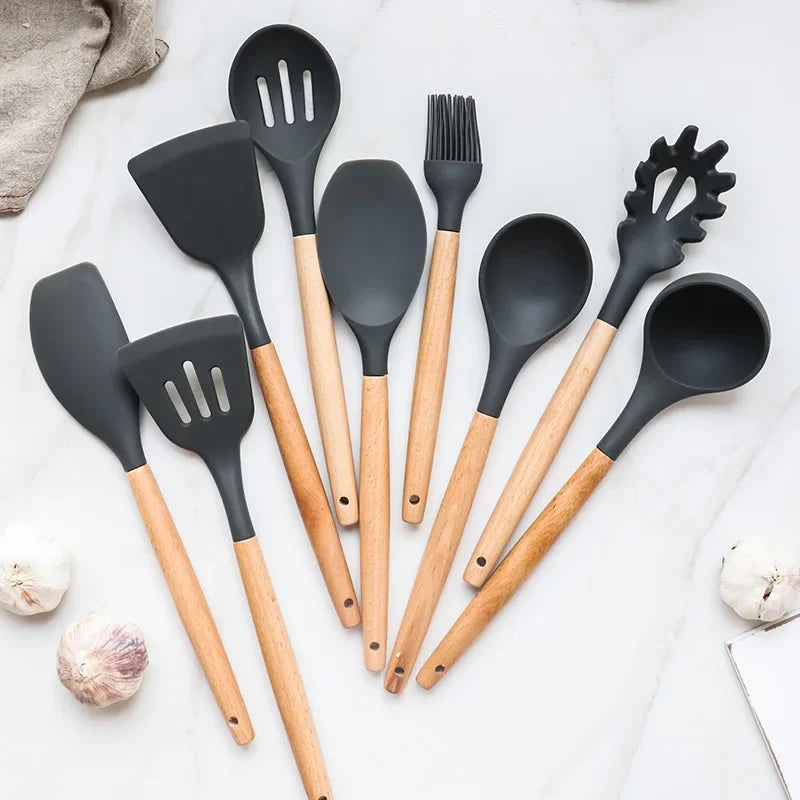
{"x": 102, "y": 661}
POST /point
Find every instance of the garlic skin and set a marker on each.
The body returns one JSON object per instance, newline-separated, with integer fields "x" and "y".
{"x": 759, "y": 580}
{"x": 102, "y": 661}
{"x": 34, "y": 570}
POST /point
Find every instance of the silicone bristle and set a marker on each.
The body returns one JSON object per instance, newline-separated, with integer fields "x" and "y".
{"x": 452, "y": 129}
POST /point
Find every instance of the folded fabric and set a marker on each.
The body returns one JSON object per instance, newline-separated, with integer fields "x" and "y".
{"x": 51, "y": 53}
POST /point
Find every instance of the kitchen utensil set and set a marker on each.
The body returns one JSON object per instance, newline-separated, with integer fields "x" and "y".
{"x": 704, "y": 333}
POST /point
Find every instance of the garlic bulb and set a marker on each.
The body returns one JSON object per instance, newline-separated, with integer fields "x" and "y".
{"x": 102, "y": 661}
{"x": 34, "y": 570}
{"x": 759, "y": 581}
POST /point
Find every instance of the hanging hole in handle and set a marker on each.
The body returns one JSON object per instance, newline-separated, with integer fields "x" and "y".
{"x": 233, "y": 720}
{"x": 480, "y": 561}
{"x": 374, "y": 646}
{"x": 348, "y": 603}
{"x": 414, "y": 499}
{"x": 439, "y": 669}
{"x": 399, "y": 671}
{"x": 344, "y": 501}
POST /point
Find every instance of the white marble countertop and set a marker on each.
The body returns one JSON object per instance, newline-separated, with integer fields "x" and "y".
{"x": 606, "y": 677}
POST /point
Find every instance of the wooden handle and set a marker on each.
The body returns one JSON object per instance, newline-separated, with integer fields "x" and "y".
{"x": 326, "y": 379}
{"x": 539, "y": 453}
{"x": 374, "y": 523}
{"x": 440, "y": 551}
{"x": 434, "y": 343}
{"x": 287, "y": 686}
{"x": 306, "y": 483}
{"x": 516, "y": 567}
{"x": 191, "y": 602}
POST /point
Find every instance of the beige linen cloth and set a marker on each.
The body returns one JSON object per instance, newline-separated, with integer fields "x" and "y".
{"x": 51, "y": 52}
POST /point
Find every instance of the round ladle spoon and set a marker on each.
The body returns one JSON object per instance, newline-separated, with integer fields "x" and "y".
{"x": 704, "y": 333}
{"x": 650, "y": 241}
{"x": 285, "y": 84}
{"x": 534, "y": 279}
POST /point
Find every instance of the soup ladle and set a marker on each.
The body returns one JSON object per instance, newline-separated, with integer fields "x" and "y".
{"x": 705, "y": 333}
{"x": 534, "y": 279}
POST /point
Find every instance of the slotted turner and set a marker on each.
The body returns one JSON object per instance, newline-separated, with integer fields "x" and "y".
{"x": 76, "y": 332}
{"x": 650, "y": 241}
{"x": 204, "y": 188}
{"x": 292, "y": 144}
{"x": 194, "y": 381}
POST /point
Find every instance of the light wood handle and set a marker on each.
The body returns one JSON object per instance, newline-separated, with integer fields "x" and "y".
{"x": 191, "y": 602}
{"x": 426, "y": 406}
{"x": 440, "y": 551}
{"x": 326, "y": 379}
{"x": 516, "y": 567}
{"x": 374, "y": 524}
{"x": 538, "y": 455}
{"x": 287, "y": 685}
{"x": 306, "y": 483}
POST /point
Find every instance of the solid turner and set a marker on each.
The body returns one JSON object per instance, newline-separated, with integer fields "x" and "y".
{"x": 534, "y": 279}
{"x": 290, "y": 127}
{"x": 204, "y": 188}
{"x": 76, "y": 332}
{"x": 650, "y": 241}
{"x": 194, "y": 381}
{"x": 372, "y": 250}
{"x": 704, "y": 333}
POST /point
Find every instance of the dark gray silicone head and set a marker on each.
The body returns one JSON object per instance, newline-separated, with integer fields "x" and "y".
{"x": 76, "y": 332}
{"x": 371, "y": 241}
{"x": 194, "y": 379}
{"x": 704, "y": 333}
{"x": 204, "y": 188}
{"x": 292, "y": 131}
{"x": 534, "y": 279}
{"x": 650, "y": 240}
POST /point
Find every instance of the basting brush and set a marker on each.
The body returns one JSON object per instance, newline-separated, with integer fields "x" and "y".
{"x": 452, "y": 170}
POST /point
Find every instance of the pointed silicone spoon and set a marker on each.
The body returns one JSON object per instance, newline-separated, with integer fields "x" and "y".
{"x": 650, "y": 241}
{"x": 195, "y": 382}
{"x": 285, "y": 84}
{"x": 204, "y": 188}
{"x": 372, "y": 250}
{"x": 704, "y": 333}
{"x": 534, "y": 279}
{"x": 76, "y": 332}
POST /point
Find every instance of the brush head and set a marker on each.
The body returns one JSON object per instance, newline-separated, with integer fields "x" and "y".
{"x": 452, "y": 129}
{"x": 452, "y": 155}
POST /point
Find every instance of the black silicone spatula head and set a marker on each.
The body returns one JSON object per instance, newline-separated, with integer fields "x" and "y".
{"x": 651, "y": 239}
{"x": 76, "y": 332}
{"x": 204, "y": 188}
{"x": 704, "y": 333}
{"x": 289, "y": 125}
{"x": 194, "y": 380}
{"x": 534, "y": 279}
{"x": 371, "y": 241}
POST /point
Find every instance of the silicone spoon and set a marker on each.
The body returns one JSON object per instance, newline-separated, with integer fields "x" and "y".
{"x": 76, "y": 332}
{"x": 299, "y": 84}
{"x": 204, "y": 188}
{"x": 704, "y": 333}
{"x": 534, "y": 279}
{"x": 650, "y": 241}
{"x": 195, "y": 382}
{"x": 372, "y": 251}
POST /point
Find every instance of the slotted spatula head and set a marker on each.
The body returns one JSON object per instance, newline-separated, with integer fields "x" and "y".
{"x": 204, "y": 188}
{"x": 291, "y": 147}
{"x": 650, "y": 240}
{"x": 76, "y": 332}
{"x": 371, "y": 243}
{"x": 211, "y": 416}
